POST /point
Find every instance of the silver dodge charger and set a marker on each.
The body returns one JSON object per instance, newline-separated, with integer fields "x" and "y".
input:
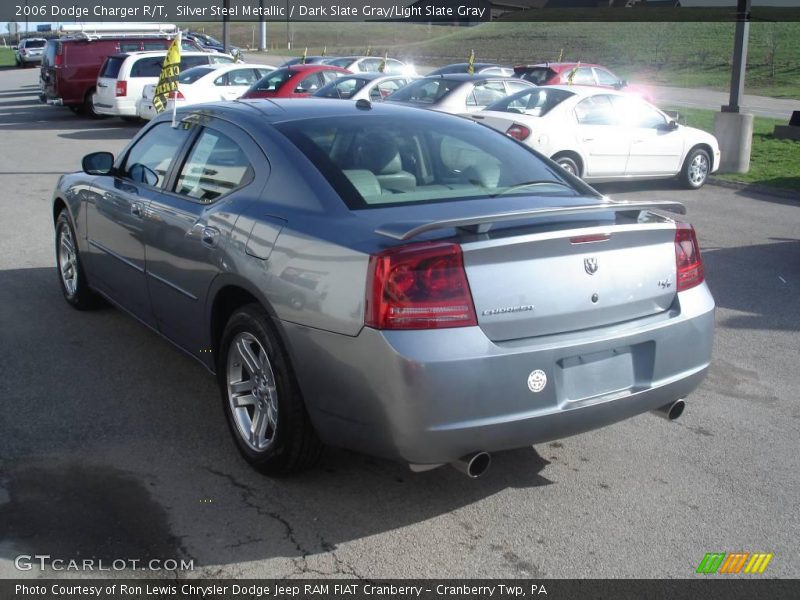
{"x": 404, "y": 283}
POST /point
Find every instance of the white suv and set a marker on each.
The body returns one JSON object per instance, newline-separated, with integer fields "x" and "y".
{"x": 123, "y": 77}
{"x": 29, "y": 51}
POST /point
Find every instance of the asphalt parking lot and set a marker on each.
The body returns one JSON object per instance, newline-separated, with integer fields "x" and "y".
{"x": 113, "y": 444}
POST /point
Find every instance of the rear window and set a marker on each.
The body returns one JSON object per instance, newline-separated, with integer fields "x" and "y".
{"x": 537, "y": 75}
{"x": 376, "y": 160}
{"x": 35, "y": 43}
{"x": 535, "y": 102}
{"x": 425, "y": 91}
{"x": 111, "y": 66}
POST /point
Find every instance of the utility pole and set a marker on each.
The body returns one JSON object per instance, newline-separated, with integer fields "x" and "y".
{"x": 226, "y": 5}
{"x": 262, "y": 34}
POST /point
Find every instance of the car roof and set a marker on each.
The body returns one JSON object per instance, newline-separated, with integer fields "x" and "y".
{"x": 314, "y": 67}
{"x": 468, "y": 77}
{"x": 586, "y": 90}
{"x": 278, "y": 110}
{"x": 559, "y": 66}
{"x": 34, "y": 39}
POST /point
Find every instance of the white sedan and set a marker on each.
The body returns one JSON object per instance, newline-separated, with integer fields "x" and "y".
{"x": 603, "y": 135}
{"x": 206, "y": 83}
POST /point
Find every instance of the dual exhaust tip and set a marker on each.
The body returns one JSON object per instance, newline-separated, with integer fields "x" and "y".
{"x": 476, "y": 464}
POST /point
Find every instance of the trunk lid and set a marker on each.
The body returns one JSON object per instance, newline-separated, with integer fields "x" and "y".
{"x": 569, "y": 279}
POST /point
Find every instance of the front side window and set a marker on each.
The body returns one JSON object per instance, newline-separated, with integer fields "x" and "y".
{"x": 606, "y": 78}
{"x": 308, "y": 84}
{"x": 636, "y": 113}
{"x": 149, "y": 160}
{"x": 379, "y": 160}
{"x": 580, "y": 76}
{"x": 596, "y": 110}
{"x": 191, "y": 75}
{"x": 216, "y": 166}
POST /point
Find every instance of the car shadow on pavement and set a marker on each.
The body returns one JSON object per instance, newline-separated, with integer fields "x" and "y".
{"x": 119, "y": 448}
{"x": 760, "y": 283}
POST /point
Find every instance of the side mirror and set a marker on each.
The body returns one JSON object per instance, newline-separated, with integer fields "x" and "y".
{"x": 672, "y": 125}
{"x": 98, "y": 163}
{"x": 623, "y": 83}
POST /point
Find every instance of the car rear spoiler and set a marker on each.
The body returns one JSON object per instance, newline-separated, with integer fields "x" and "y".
{"x": 482, "y": 223}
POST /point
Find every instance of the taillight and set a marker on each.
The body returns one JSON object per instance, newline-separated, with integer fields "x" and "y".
{"x": 121, "y": 88}
{"x": 177, "y": 95}
{"x": 518, "y": 132}
{"x": 420, "y": 286}
{"x": 59, "y": 55}
{"x": 688, "y": 262}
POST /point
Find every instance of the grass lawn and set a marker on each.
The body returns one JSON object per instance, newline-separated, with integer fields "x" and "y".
{"x": 773, "y": 162}
{"x": 6, "y": 57}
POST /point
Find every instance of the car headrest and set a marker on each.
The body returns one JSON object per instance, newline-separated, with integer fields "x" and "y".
{"x": 379, "y": 154}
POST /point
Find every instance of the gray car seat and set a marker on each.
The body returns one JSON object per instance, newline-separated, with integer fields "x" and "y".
{"x": 380, "y": 154}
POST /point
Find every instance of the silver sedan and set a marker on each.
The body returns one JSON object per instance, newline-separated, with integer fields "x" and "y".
{"x": 404, "y": 283}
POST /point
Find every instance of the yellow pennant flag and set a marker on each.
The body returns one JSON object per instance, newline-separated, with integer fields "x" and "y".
{"x": 305, "y": 56}
{"x": 168, "y": 79}
{"x": 572, "y": 73}
{"x": 369, "y": 51}
{"x": 382, "y": 66}
{"x": 471, "y": 63}
{"x": 324, "y": 51}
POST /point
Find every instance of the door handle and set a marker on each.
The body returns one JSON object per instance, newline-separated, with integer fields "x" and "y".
{"x": 136, "y": 209}
{"x": 102, "y": 85}
{"x": 210, "y": 237}
{"x": 588, "y": 139}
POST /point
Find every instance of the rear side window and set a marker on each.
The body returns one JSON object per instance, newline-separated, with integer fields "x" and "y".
{"x": 535, "y": 102}
{"x": 147, "y": 67}
{"x": 596, "y": 110}
{"x": 216, "y": 166}
{"x": 111, "y": 66}
{"x": 193, "y": 74}
{"x": 150, "y": 158}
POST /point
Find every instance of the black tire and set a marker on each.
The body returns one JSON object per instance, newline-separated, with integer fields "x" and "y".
{"x": 88, "y": 107}
{"x": 293, "y": 445}
{"x": 696, "y": 169}
{"x": 568, "y": 163}
{"x": 81, "y": 296}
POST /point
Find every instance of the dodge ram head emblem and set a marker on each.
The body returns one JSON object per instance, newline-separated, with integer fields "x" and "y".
{"x": 590, "y": 264}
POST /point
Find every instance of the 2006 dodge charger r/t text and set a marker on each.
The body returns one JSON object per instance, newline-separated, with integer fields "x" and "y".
{"x": 404, "y": 283}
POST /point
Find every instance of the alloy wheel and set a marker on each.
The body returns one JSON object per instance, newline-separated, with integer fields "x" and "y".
{"x": 67, "y": 261}
{"x": 252, "y": 393}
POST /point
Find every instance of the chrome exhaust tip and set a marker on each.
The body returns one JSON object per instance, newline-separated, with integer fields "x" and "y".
{"x": 473, "y": 465}
{"x": 671, "y": 411}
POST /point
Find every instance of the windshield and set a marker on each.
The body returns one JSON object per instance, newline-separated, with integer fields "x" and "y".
{"x": 377, "y": 160}
{"x": 425, "y": 91}
{"x": 535, "y": 102}
{"x": 272, "y": 81}
{"x": 343, "y": 87}
{"x": 193, "y": 74}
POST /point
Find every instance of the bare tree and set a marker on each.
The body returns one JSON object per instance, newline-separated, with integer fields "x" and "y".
{"x": 773, "y": 42}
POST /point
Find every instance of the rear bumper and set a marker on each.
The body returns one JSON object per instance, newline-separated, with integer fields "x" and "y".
{"x": 118, "y": 108}
{"x": 433, "y": 396}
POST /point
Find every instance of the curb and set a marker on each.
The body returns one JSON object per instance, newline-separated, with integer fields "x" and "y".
{"x": 756, "y": 188}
